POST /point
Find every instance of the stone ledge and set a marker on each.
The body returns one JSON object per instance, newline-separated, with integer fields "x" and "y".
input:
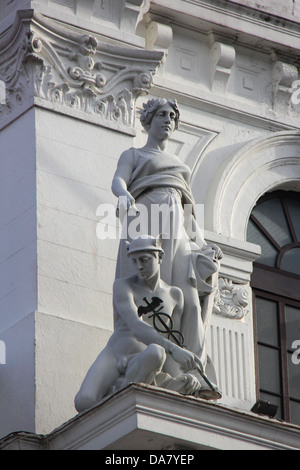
{"x": 142, "y": 417}
{"x": 247, "y": 25}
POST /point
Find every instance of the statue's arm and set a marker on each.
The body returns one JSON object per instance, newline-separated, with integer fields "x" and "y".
{"x": 123, "y": 175}
{"x": 127, "y": 309}
{"x": 177, "y": 312}
{"x": 197, "y": 237}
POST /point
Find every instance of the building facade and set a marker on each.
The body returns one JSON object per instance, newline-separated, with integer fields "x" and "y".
{"x": 73, "y": 75}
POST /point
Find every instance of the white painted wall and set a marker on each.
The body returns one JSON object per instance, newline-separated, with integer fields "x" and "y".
{"x": 18, "y": 272}
{"x": 76, "y": 162}
{"x": 56, "y": 275}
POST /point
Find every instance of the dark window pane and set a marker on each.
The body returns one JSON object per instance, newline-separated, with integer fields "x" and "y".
{"x": 271, "y": 215}
{"x": 269, "y": 369}
{"x": 267, "y": 321}
{"x": 294, "y": 377}
{"x": 294, "y": 211}
{"x": 295, "y": 412}
{"x": 291, "y": 261}
{"x": 292, "y": 317}
{"x": 268, "y": 251}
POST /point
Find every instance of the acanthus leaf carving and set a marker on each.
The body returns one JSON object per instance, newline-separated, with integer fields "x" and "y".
{"x": 75, "y": 71}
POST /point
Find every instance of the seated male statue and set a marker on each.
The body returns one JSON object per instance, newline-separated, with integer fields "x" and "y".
{"x": 142, "y": 348}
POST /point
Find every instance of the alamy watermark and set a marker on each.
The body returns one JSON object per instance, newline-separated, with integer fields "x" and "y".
{"x": 140, "y": 220}
{"x": 296, "y": 94}
{"x": 296, "y": 353}
{"x": 2, "y": 352}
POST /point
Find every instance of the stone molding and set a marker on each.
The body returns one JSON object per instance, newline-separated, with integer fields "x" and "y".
{"x": 147, "y": 417}
{"x": 118, "y": 15}
{"x": 244, "y": 24}
{"x": 239, "y": 255}
{"x": 261, "y": 165}
{"x": 49, "y": 64}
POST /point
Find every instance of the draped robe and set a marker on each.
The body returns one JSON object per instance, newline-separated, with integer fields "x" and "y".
{"x": 163, "y": 180}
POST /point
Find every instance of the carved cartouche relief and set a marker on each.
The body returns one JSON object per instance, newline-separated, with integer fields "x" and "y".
{"x": 231, "y": 300}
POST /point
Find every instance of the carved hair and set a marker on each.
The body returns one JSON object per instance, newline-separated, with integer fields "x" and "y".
{"x": 152, "y": 106}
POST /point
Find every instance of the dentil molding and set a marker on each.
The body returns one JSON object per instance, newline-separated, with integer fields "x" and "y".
{"x": 46, "y": 63}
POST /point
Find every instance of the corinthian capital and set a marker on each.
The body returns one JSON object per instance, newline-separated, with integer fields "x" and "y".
{"x": 47, "y": 63}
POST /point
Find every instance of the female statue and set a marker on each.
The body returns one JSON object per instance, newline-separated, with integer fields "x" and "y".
{"x": 149, "y": 178}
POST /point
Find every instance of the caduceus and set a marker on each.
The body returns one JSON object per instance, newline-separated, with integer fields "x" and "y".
{"x": 161, "y": 319}
{"x": 163, "y": 323}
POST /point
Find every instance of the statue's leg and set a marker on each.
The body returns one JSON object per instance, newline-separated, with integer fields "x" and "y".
{"x": 98, "y": 381}
{"x": 144, "y": 366}
{"x": 191, "y": 323}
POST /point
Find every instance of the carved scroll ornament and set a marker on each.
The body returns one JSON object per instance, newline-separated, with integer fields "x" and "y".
{"x": 231, "y": 300}
{"x": 44, "y": 60}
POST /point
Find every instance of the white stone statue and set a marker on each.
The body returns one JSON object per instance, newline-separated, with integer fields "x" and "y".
{"x": 146, "y": 180}
{"x": 150, "y": 178}
{"x": 147, "y": 345}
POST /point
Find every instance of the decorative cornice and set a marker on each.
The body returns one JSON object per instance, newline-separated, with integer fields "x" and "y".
{"x": 223, "y": 106}
{"x": 48, "y": 63}
{"x": 247, "y": 24}
{"x": 139, "y": 410}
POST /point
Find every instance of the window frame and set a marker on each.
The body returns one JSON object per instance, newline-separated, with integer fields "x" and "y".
{"x": 282, "y": 287}
{"x": 283, "y": 347}
{"x": 295, "y": 243}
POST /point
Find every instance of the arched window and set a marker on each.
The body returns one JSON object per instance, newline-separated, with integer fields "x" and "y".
{"x": 275, "y": 225}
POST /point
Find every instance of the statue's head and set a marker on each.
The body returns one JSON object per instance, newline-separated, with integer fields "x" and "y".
{"x": 145, "y": 243}
{"x": 152, "y": 106}
{"x": 146, "y": 253}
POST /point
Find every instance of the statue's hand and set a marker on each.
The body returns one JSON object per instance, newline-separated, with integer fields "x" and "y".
{"x": 217, "y": 250}
{"x": 192, "y": 383}
{"x": 186, "y": 359}
{"x": 127, "y": 202}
